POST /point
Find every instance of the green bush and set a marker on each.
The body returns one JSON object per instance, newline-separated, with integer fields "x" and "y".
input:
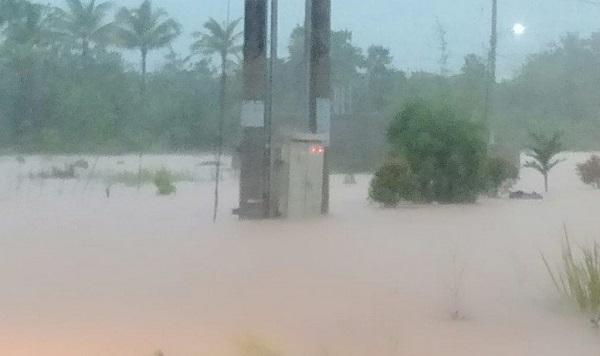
{"x": 589, "y": 172}
{"x": 393, "y": 183}
{"x": 164, "y": 182}
{"x": 499, "y": 173}
{"x": 143, "y": 177}
{"x": 446, "y": 154}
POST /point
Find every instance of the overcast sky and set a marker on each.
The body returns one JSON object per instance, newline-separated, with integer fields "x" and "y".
{"x": 408, "y": 27}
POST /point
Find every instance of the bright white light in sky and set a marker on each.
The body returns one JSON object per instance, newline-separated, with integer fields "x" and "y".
{"x": 518, "y": 29}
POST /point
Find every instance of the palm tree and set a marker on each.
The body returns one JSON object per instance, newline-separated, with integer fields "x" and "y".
{"x": 84, "y": 22}
{"x": 143, "y": 28}
{"x": 223, "y": 41}
{"x": 543, "y": 150}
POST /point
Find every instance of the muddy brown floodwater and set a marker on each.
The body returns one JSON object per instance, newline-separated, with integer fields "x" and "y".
{"x": 83, "y": 275}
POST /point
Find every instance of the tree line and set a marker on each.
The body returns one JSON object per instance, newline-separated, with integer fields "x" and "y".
{"x": 65, "y": 86}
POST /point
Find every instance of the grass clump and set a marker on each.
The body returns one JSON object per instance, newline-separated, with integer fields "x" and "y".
{"x": 578, "y": 278}
{"x": 163, "y": 180}
{"x": 146, "y": 176}
{"x": 69, "y": 171}
{"x": 132, "y": 179}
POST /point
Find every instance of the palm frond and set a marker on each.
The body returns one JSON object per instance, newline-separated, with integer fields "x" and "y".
{"x": 218, "y": 39}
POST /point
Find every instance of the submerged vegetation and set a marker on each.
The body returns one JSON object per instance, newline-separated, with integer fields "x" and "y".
{"x": 164, "y": 182}
{"x": 68, "y": 171}
{"x": 255, "y": 346}
{"x": 393, "y": 183}
{"x": 144, "y": 176}
{"x": 445, "y": 152}
{"x": 589, "y": 172}
{"x": 443, "y": 158}
{"x": 578, "y": 277}
{"x": 501, "y": 174}
{"x": 543, "y": 151}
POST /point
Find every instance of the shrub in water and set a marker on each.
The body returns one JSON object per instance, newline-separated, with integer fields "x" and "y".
{"x": 589, "y": 172}
{"x": 164, "y": 182}
{"x": 499, "y": 173}
{"x": 446, "y": 154}
{"x": 393, "y": 183}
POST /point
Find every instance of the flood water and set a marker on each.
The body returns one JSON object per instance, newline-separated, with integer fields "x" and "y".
{"x": 86, "y": 275}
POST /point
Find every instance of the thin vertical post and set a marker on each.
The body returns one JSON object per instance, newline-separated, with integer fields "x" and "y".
{"x": 490, "y": 80}
{"x": 269, "y": 113}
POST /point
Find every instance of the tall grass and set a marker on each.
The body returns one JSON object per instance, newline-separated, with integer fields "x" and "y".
{"x": 254, "y": 346}
{"x": 578, "y": 278}
{"x": 145, "y": 176}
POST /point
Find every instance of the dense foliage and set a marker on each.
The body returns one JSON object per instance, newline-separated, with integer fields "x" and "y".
{"x": 393, "y": 183}
{"x": 446, "y": 153}
{"x": 589, "y": 171}
{"x": 500, "y": 174}
{"x": 65, "y": 86}
{"x": 163, "y": 181}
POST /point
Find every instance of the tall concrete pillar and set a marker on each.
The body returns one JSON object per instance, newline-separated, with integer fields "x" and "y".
{"x": 254, "y": 168}
{"x": 319, "y": 108}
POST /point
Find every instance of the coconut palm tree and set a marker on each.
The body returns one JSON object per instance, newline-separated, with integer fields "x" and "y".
{"x": 223, "y": 41}
{"x": 145, "y": 28}
{"x": 543, "y": 150}
{"x": 84, "y": 21}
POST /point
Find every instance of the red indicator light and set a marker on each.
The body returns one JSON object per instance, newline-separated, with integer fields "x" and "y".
{"x": 317, "y": 149}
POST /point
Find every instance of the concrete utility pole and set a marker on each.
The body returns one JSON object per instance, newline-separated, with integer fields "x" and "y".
{"x": 319, "y": 97}
{"x": 307, "y": 46}
{"x": 253, "y": 170}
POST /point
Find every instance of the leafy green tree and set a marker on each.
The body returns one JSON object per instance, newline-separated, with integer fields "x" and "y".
{"x": 9, "y": 9}
{"x": 589, "y": 172}
{"x": 346, "y": 62}
{"x": 555, "y": 90}
{"x": 143, "y": 28}
{"x": 380, "y": 76}
{"x": 346, "y": 59}
{"x": 27, "y": 23}
{"x": 85, "y": 23}
{"x": 543, "y": 151}
{"x": 22, "y": 54}
{"x": 223, "y": 41}
{"x": 446, "y": 153}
